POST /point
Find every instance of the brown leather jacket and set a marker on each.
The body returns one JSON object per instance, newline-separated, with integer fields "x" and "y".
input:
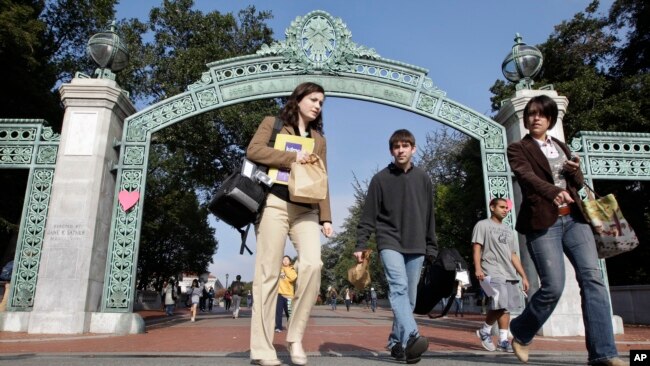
{"x": 533, "y": 173}
{"x": 260, "y": 153}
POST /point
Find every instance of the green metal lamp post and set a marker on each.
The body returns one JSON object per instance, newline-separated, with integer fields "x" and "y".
{"x": 522, "y": 63}
{"x": 109, "y": 52}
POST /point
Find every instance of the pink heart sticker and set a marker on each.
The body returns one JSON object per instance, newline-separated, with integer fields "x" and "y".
{"x": 128, "y": 199}
{"x": 509, "y": 203}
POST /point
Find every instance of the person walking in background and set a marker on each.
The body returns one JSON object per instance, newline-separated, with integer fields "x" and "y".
{"x": 237, "y": 291}
{"x": 204, "y": 297}
{"x": 373, "y": 299}
{"x": 458, "y": 299}
{"x": 227, "y": 299}
{"x": 195, "y": 296}
{"x": 169, "y": 296}
{"x": 332, "y": 296}
{"x": 288, "y": 276}
{"x": 552, "y": 220}
{"x": 399, "y": 209}
{"x": 301, "y": 116}
{"x": 348, "y": 298}
{"x": 210, "y": 298}
{"x": 249, "y": 299}
{"x": 496, "y": 262}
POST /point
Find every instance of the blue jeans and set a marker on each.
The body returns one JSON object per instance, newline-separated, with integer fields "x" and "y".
{"x": 333, "y": 303}
{"x": 402, "y": 274}
{"x": 373, "y": 304}
{"x": 546, "y": 248}
{"x": 169, "y": 309}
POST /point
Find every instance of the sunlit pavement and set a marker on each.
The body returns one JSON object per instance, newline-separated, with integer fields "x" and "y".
{"x": 356, "y": 336}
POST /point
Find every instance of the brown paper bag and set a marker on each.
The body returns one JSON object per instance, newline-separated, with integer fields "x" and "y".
{"x": 359, "y": 274}
{"x": 308, "y": 181}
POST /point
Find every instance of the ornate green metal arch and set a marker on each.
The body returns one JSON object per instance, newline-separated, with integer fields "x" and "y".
{"x": 613, "y": 155}
{"x": 29, "y": 144}
{"x": 318, "y": 48}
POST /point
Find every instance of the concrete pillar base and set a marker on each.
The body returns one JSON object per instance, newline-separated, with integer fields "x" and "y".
{"x": 14, "y": 321}
{"x": 117, "y": 323}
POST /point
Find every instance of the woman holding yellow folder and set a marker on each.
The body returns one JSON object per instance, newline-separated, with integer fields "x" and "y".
{"x": 280, "y": 217}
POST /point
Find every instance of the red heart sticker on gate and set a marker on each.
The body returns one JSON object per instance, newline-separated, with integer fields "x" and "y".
{"x": 128, "y": 199}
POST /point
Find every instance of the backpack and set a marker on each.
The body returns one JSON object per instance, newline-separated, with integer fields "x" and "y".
{"x": 437, "y": 281}
{"x": 240, "y": 197}
{"x": 237, "y": 288}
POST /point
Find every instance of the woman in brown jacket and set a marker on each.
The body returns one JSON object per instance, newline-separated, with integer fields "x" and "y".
{"x": 551, "y": 218}
{"x": 281, "y": 217}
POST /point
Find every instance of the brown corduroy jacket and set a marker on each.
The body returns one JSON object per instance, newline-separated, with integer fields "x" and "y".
{"x": 533, "y": 173}
{"x": 260, "y": 153}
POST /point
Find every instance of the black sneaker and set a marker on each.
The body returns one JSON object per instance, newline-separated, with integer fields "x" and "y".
{"x": 397, "y": 352}
{"x": 415, "y": 347}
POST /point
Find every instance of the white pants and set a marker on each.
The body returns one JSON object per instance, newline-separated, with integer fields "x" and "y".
{"x": 279, "y": 219}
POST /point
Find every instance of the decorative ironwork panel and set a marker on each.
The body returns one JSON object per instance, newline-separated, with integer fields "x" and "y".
{"x": 47, "y": 154}
{"x": 28, "y": 144}
{"x": 495, "y": 162}
{"x": 165, "y": 112}
{"x": 16, "y": 133}
{"x": 207, "y": 98}
{"x": 16, "y": 155}
{"x": 32, "y": 231}
{"x": 426, "y": 103}
{"x": 609, "y": 155}
{"x": 134, "y": 155}
{"x": 118, "y": 288}
{"x": 620, "y": 167}
{"x": 473, "y": 124}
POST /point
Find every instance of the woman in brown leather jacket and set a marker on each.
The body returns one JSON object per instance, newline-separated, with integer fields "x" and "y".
{"x": 551, "y": 218}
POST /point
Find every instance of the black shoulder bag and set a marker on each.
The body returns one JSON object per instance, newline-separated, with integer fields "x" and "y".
{"x": 241, "y": 196}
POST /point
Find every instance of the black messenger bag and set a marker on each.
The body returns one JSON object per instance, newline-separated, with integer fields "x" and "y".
{"x": 241, "y": 196}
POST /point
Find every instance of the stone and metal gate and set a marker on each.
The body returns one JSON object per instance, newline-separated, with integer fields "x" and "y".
{"x": 318, "y": 48}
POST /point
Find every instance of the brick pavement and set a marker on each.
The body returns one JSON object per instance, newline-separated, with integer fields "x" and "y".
{"x": 357, "y": 331}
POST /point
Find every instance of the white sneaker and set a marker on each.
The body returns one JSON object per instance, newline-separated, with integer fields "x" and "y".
{"x": 486, "y": 340}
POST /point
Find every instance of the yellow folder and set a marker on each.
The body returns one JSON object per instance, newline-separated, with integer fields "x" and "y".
{"x": 289, "y": 143}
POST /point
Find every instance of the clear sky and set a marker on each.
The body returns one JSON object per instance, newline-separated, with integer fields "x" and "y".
{"x": 462, "y": 43}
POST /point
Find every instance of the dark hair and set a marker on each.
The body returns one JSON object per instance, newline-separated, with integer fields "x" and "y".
{"x": 401, "y": 136}
{"x": 544, "y": 105}
{"x": 286, "y": 256}
{"x": 238, "y": 277}
{"x": 493, "y": 202}
{"x": 289, "y": 114}
{"x": 195, "y": 282}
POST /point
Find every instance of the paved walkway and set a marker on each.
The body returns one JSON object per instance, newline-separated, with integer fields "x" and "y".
{"x": 357, "y": 332}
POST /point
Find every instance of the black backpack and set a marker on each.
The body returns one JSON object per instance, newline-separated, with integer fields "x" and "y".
{"x": 437, "y": 280}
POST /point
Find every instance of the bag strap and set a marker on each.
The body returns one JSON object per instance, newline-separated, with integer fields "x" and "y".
{"x": 277, "y": 127}
{"x": 592, "y": 190}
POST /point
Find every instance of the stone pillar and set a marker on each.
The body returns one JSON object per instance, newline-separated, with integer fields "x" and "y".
{"x": 71, "y": 274}
{"x": 567, "y": 317}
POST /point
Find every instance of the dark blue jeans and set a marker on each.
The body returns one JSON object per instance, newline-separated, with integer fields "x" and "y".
{"x": 282, "y": 307}
{"x": 546, "y": 248}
